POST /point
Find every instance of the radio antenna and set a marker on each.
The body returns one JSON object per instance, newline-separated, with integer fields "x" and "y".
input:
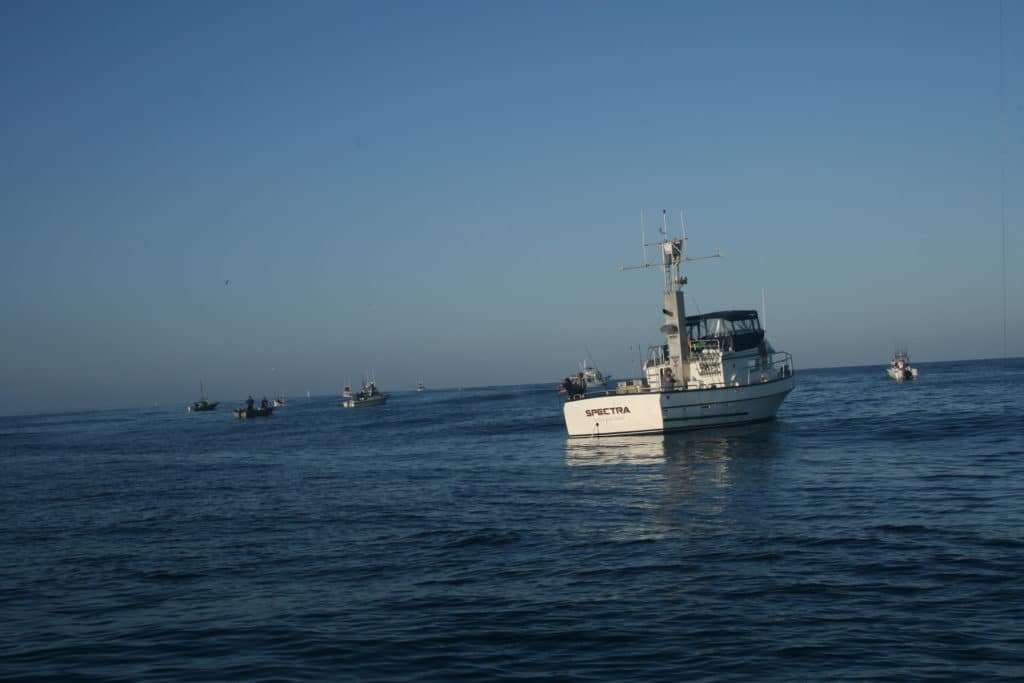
{"x": 682, "y": 223}
{"x": 643, "y": 237}
{"x": 764, "y": 311}
{"x": 673, "y": 255}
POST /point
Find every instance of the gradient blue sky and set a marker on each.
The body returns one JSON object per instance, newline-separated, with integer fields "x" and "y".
{"x": 443, "y": 191}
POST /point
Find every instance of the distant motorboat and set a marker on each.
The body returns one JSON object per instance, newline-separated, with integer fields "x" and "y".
{"x": 588, "y": 379}
{"x": 250, "y": 410}
{"x": 368, "y": 396}
{"x": 202, "y": 404}
{"x": 594, "y": 379}
{"x": 420, "y": 387}
{"x": 279, "y": 401}
{"x": 899, "y": 368}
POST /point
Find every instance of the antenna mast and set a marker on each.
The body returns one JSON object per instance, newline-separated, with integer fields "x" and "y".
{"x": 673, "y": 253}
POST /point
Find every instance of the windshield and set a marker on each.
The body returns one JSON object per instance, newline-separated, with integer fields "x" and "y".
{"x": 723, "y": 327}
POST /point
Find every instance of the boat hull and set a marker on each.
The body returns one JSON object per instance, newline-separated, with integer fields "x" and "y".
{"x": 364, "y": 402}
{"x": 900, "y": 375}
{"x": 246, "y": 413}
{"x": 598, "y": 387}
{"x": 666, "y": 411}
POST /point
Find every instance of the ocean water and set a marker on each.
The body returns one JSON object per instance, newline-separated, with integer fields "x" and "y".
{"x": 874, "y": 531}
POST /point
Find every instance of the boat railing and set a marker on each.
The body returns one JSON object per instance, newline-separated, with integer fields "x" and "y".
{"x": 775, "y": 365}
{"x": 781, "y": 359}
{"x": 709, "y": 345}
{"x": 656, "y": 355}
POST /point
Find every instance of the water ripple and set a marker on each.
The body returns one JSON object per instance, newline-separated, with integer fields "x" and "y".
{"x": 873, "y": 532}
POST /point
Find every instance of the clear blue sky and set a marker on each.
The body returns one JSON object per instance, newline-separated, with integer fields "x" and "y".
{"x": 443, "y": 191}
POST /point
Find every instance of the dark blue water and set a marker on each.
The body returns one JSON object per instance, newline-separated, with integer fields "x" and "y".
{"x": 875, "y": 531}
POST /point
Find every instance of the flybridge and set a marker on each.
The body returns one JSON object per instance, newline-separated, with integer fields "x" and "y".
{"x": 738, "y": 330}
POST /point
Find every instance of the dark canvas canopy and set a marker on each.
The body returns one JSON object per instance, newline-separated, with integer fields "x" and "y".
{"x": 736, "y": 330}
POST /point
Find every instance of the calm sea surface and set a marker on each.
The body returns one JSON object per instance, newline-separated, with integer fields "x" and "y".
{"x": 874, "y": 531}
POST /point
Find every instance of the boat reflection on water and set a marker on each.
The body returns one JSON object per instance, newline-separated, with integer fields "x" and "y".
{"x": 646, "y": 449}
{"x": 675, "y": 448}
{"x": 699, "y": 483}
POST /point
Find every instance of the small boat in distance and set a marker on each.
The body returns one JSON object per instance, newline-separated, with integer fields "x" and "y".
{"x": 714, "y": 369}
{"x": 588, "y": 379}
{"x": 420, "y": 387}
{"x": 280, "y": 401}
{"x": 250, "y": 410}
{"x": 368, "y": 396}
{"x": 899, "y": 368}
{"x": 594, "y": 379}
{"x": 202, "y": 404}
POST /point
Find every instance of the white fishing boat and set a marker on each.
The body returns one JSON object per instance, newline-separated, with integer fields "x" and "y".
{"x": 899, "y": 368}
{"x": 368, "y": 396}
{"x": 588, "y": 380}
{"x": 280, "y": 401}
{"x": 714, "y": 369}
{"x": 420, "y": 387}
{"x": 594, "y": 379}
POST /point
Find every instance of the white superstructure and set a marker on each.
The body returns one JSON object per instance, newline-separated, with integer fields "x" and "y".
{"x": 900, "y": 368}
{"x": 594, "y": 379}
{"x": 714, "y": 369}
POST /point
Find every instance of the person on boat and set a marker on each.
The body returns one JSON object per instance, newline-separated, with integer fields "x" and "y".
{"x": 248, "y": 403}
{"x": 573, "y": 389}
{"x": 263, "y": 404}
{"x": 670, "y": 380}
